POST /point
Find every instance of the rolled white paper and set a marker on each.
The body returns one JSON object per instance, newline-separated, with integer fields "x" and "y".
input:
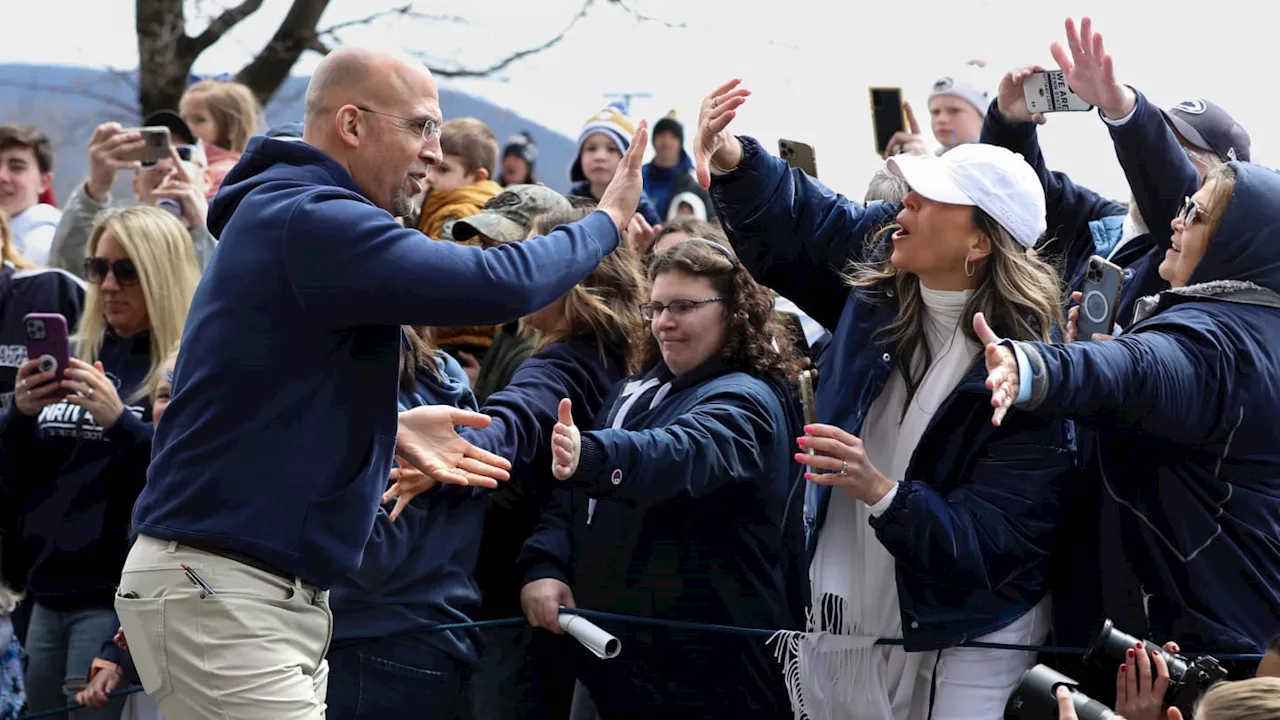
{"x": 600, "y": 643}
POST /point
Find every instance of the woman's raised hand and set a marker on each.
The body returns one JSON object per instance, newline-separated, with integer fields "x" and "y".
{"x": 714, "y": 144}
{"x": 1089, "y": 71}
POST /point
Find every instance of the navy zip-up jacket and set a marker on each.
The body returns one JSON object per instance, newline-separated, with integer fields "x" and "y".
{"x": 417, "y": 571}
{"x": 524, "y": 413}
{"x": 978, "y": 513}
{"x": 1184, "y": 406}
{"x": 1083, "y": 223}
{"x": 74, "y": 484}
{"x": 681, "y": 513}
{"x": 280, "y": 435}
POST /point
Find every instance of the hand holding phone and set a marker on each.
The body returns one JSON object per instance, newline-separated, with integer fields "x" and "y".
{"x": 1048, "y": 91}
{"x": 806, "y": 399}
{"x": 155, "y": 146}
{"x": 1098, "y": 299}
{"x": 48, "y": 354}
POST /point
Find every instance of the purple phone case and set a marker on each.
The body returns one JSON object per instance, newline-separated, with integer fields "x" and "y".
{"x": 55, "y": 342}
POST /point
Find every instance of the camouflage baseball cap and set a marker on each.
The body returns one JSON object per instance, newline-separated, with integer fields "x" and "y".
{"x": 509, "y": 216}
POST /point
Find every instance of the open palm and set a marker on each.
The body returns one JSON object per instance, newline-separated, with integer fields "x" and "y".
{"x": 1089, "y": 71}
{"x": 428, "y": 440}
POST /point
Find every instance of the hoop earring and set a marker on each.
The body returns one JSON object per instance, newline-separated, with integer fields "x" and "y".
{"x": 969, "y": 268}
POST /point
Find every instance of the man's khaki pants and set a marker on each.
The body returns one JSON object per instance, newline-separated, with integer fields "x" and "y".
{"x": 253, "y": 650}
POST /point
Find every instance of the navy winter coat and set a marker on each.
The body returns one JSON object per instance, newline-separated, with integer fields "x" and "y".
{"x": 1184, "y": 404}
{"x": 977, "y": 515}
{"x": 682, "y": 513}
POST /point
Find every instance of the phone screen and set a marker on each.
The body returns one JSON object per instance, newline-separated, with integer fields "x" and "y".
{"x": 886, "y": 115}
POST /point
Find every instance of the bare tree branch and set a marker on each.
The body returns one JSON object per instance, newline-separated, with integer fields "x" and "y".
{"x": 641, "y": 17}
{"x": 506, "y": 62}
{"x": 111, "y": 101}
{"x": 296, "y": 34}
{"x": 192, "y": 47}
{"x": 404, "y": 11}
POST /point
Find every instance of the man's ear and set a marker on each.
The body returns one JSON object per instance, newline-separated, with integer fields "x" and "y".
{"x": 349, "y": 125}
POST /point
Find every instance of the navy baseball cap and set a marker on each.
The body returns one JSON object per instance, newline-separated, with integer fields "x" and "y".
{"x": 1209, "y": 127}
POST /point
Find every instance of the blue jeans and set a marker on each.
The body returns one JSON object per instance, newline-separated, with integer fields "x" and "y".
{"x": 60, "y": 648}
{"x": 392, "y": 678}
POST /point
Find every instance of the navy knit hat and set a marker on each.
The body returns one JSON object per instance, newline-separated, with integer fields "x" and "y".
{"x": 609, "y": 122}
{"x": 669, "y": 124}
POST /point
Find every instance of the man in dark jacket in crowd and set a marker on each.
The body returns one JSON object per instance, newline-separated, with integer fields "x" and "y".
{"x": 669, "y": 180}
{"x": 279, "y": 438}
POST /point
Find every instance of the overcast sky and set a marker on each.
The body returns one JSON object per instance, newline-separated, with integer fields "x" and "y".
{"x": 809, "y": 62}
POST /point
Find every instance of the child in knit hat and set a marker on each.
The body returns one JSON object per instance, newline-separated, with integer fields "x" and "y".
{"x": 601, "y": 144}
{"x": 957, "y": 105}
{"x": 519, "y": 158}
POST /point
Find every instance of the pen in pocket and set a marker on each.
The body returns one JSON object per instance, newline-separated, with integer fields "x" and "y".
{"x": 196, "y": 580}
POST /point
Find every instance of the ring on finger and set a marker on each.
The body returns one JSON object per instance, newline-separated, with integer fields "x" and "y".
{"x": 714, "y": 102}
{"x": 844, "y": 467}
{"x": 88, "y": 393}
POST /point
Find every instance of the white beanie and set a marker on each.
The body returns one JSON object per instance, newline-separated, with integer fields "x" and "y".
{"x": 966, "y": 84}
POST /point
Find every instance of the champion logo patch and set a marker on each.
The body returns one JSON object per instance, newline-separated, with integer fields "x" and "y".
{"x": 1192, "y": 107}
{"x": 616, "y": 477}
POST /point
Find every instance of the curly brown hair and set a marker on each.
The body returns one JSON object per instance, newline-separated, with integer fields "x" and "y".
{"x": 756, "y": 342}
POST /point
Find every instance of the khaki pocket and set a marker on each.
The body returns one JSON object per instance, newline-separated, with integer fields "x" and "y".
{"x": 143, "y": 623}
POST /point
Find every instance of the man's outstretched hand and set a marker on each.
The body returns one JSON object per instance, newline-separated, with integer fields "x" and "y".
{"x": 427, "y": 440}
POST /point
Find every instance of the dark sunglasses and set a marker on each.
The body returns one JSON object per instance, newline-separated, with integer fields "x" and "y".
{"x": 1190, "y": 211}
{"x": 96, "y": 269}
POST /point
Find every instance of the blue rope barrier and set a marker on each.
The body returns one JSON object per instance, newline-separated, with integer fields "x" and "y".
{"x": 700, "y": 627}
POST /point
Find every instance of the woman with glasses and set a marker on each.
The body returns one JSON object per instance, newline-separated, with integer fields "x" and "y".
{"x": 84, "y": 434}
{"x": 1183, "y": 404}
{"x": 676, "y": 505}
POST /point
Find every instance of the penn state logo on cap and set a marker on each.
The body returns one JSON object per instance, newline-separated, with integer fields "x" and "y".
{"x": 1231, "y": 154}
{"x": 943, "y": 84}
{"x": 1192, "y": 107}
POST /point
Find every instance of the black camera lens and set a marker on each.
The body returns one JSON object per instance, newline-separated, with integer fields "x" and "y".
{"x": 1035, "y": 698}
{"x": 1113, "y": 643}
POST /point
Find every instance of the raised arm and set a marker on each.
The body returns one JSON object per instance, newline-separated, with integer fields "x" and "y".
{"x": 1159, "y": 173}
{"x": 351, "y": 263}
{"x": 794, "y": 234}
{"x": 1070, "y": 208}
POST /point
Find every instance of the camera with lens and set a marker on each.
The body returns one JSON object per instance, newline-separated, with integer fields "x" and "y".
{"x": 1188, "y": 679}
{"x": 1035, "y": 698}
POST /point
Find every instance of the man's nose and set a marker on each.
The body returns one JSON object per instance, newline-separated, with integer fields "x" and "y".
{"x": 430, "y": 153}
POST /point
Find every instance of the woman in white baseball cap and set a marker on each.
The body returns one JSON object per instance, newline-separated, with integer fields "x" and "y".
{"x": 942, "y": 525}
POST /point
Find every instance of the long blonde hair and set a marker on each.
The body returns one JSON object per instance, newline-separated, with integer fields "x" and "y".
{"x": 9, "y": 253}
{"x": 1020, "y": 296}
{"x": 235, "y": 110}
{"x": 607, "y": 303}
{"x": 1253, "y": 699}
{"x": 161, "y": 250}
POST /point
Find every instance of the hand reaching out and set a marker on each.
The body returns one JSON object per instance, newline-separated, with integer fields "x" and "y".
{"x": 566, "y": 444}
{"x": 1073, "y": 321}
{"x": 714, "y": 144}
{"x": 428, "y": 440}
{"x": 1002, "y": 370}
{"x": 1089, "y": 71}
{"x": 622, "y": 197}
{"x": 1011, "y": 102}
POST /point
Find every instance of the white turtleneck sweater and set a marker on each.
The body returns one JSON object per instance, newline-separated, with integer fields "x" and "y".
{"x": 841, "y": 675}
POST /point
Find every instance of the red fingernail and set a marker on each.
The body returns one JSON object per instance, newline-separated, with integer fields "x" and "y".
{"x": 800, "y": 441}
{"x": 1123, "y": 668}
{"x": 1129, "y": 654}
{"x": 808, "y": 429}
{"x": 800, "y": 456}
{"x": 1139, "y": 645}
{"x": 808, "y": 476}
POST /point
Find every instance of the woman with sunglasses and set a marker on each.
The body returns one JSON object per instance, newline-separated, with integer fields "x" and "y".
{"x": 676, "y": 505}
{"x": 84, "y": 436}
{"x": 929, "y": 525}
{"x": 1183, "y": 404}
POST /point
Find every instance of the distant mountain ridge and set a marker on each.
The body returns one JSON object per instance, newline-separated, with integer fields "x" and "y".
{"x": 67, "y": 103}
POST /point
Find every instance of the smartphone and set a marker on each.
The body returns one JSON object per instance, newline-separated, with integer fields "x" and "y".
{"x": 49, "y": 342}
{"x": 1101, "y": 294}
{"x": 1047, "y": 92}
{"x": 806, "y": 399}
{"x": 799, "y": 155}
{"x": 155, "y": 146}
{"x": 887, "y": 116}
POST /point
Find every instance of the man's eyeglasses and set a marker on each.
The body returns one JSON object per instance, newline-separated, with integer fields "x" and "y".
{"x": 96, "y": 269}
{"x": 679, "y": 308}
{"x": 429, "y": 128}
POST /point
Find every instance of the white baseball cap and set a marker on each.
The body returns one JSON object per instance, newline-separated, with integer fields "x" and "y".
{"x": 992, "y": 178}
